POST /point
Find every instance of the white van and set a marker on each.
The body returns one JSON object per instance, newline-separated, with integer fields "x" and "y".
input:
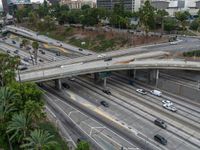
{"x": 156, "y": 92}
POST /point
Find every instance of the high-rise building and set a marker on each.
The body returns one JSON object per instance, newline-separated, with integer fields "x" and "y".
{"x": 131, "y": 5}
{"x": 77, "y": 4}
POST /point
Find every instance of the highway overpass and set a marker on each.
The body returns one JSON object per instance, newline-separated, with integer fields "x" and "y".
{"x": 44, "y": 39}
{"x": 75, "y": 69}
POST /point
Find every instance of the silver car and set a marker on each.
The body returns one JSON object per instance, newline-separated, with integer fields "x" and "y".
{"x": 170, "y": 107}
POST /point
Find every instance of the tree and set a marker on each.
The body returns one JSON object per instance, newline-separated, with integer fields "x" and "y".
{"x": 84, "y": 7}
{"x": 147, "y": 16}
{"x": 29, "y": 91}
{"x": 34, "y": 110}
{"x": 182, "y": 17}
{"x": 82, "y": 145}
{"x": 170, "y": 24}
{"x": 33, "y": 19}
{"x": 6, "y": 108}
{"x": 7, "y": 68}
{"x": 19, "y": 126}
{"x": 160, "y": 16}
{"x": 35, "y": 46}
{"x": 194, "y": 25}
{"x": 25, "y": 42}
{"x": 119, "y": 8}
{"x": 39, "y": 140}
{"x": 7, "y": 96}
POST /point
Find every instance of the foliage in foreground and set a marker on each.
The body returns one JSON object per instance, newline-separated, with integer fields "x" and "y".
{"x": 21, "y": 112}
{"x": 192, "y": 53}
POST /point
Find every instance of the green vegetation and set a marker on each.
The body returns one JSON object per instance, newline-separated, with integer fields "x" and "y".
{"x": 195, "y": 53}
{"x": 82, "y": 145}
{"x": 23, "y": 122}
{"x": 99, "y": 43}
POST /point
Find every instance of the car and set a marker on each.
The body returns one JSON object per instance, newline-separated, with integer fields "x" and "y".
{"x": 156, "y": 93}
{"x": 42, "y": 52}
{"x": 57, "y": 53}
{"x": 13, "y": 42}
{"x": 8, "y": 51}
{"x": 168, "y": 102}
{"x": 160, "y": 139}
{"x": 141, "y": 91}
{"x": 170, "y": 107}
{"x": 20, "y": 45}
{"x": 22, "y": 68}
{"x": 160, "y": 123}
{"x": 72, "y": 79}
{"x": 101, "y": 55}
{"x": 106, "y": 91}
{"x": 80, "y": 49}
{"x": 104, "y": 103}
{"x": 28, "y": 48}
{"x": 40, "y": 60}
{"x": 16, "y": 51}
{"x": 26, "y": 59}
{"x": 108, "y": 59}
{"x": 65, "y": 85}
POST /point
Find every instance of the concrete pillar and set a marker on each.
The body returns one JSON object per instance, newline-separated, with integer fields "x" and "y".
{"x": 58, "y": 84}
{"x": 105, "y": 82}
{"x": 96, "y": 77}
{"x": 134, "y": 74}
{"x": 153, "y": 76}
{"x": 157, "y": 77}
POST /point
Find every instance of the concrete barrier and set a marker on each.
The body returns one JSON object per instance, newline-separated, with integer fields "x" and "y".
{"x": 179, "y": 89}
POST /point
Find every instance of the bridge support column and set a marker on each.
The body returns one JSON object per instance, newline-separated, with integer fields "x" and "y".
{"x": 153, "y": 76}
{"x": 96, "y": 77}
{"x": 58, "y": 84}
{"x": 105, "y": 83}
{"x": 157, "y": 77}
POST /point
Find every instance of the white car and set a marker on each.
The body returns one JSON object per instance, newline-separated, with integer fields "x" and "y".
{"x": 167, "y": 102}
{"x": 101, "y": 56}
{"x": 156, "y": 93}
{"x": 170, "y": 107}
{"x": 141, "y": 91}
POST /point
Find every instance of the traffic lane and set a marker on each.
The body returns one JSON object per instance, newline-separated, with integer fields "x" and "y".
{"x": 85, "y": 122}
{"x": 125, "y": 117}
{"x": 171, "y": 122}
{"x": 183, "y": 111}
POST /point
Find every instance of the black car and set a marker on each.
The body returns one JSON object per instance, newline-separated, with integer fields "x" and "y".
{"x": 26, "y": 59}
{"x": 41, "y": 60}
{"x": 160, "y": 123}
{"x": 42, "y": 52}
{"x": 104, "y": 103}
{"x": 108, "y": 59}
{"x": 13, "y": 42}
{"x": 160, "y": 139}
{"x": 106, "y": 91}
{"x": 16, "y": 51}
{"x": 80, "y": 49}
{"x": 58, "y": 54}
{"x": 22, "y": 68}
{"x": 28, "y": 48}
{"x": 65, "y": 85}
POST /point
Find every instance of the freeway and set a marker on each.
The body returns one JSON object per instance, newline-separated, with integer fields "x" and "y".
{"x": 92, "y": 129}
{"x": 130, "y": 113}
{"x": 101, "y": 66}
{"x": 44, "y": 39}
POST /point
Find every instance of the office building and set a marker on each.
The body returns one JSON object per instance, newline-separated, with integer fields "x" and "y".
{"x": 131, "y": 5}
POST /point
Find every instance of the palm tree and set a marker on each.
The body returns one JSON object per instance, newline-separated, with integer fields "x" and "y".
{"x": 6, "y": 107}
{"x": 19, "y": 126}
{"x": 38, "y": 140}
{"x": 6, "y": 102}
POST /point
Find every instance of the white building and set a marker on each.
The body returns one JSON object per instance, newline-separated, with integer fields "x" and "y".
{"x": 172, "y": 6}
